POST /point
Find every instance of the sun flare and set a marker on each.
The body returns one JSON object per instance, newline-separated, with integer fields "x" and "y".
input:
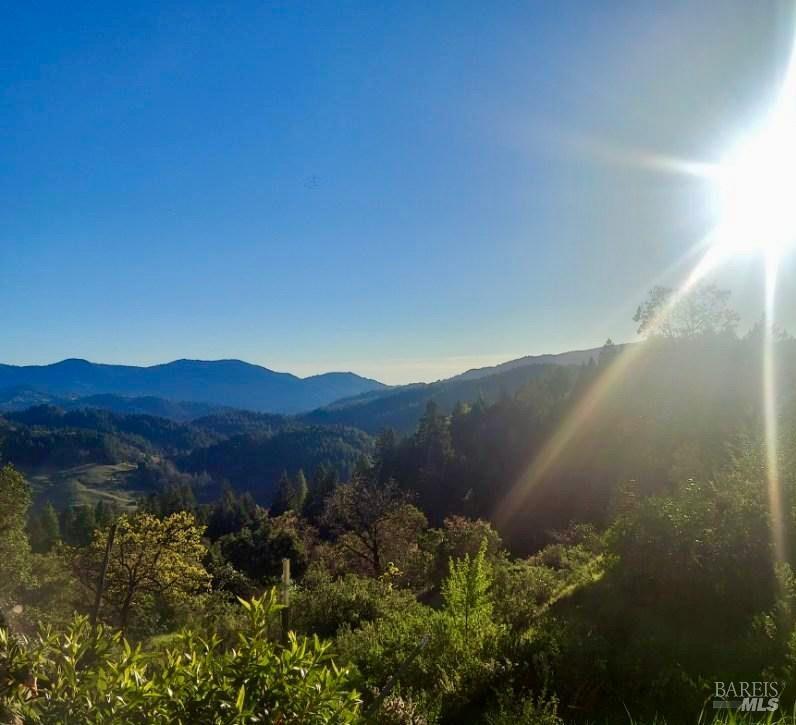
{"x": 756, "y": 182}
{"x": 756, "y": 188}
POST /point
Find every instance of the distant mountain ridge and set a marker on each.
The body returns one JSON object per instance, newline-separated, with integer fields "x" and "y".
{"x": 187, "y": 389}
{"x": 230, "y": 383}
{"x": 23, "y": 397}
{"x": 400, "y": 407}
{"x": 572, "y": 357}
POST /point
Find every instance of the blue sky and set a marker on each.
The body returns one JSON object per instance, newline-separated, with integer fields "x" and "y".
{"x": 405, "y": 190}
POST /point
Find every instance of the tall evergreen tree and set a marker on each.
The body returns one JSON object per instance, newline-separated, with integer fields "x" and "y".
{"x": 291, "y": 494}
{"x": 434, "y": 450}
{"x": 385, "y": 463}
{"x": 284, "y": 495}
{"x": 324, "y": 481}
{"x": 300, "y": 492}
{"x": 103, "y": 514}
{"x": 84, "y": 525}
{"x": 44, "y": 529}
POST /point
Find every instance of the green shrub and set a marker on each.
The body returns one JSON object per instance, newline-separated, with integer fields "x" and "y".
{"x": 453, "y": 655}
{"x": 512, "y": 710}
{"x": 324, "y": 603}
{"x": 74, "y": 677}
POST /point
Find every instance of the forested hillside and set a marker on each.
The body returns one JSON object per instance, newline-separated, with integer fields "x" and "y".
{"x": 400, "y": 409}
{"x": 23, "y": 397}
{"x": 69, "y": 454}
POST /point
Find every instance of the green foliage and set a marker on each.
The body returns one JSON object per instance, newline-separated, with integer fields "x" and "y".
{"x": 401, "y": 408}
{"x": 37, "y": 447}
{"x": 14, "y": 546}
{"x": 667, "y": 582}
{"x": 152, "y": 561}
{"x": 256, "y": 462}
{"x": 44, "y": 529}
{"x": 324, "y": 481}
{"x": 407, "y": 707}
{"x": 232, "y": 512}
{"x": 140, "y": 431}
{"x": 301, "y": 492}
{"x": 512, "y": 709}
{"x": 291, "y": 494}
{"x": 466, "y": 595}
{"x": 258, "y": 550}
{"x": 324, "y": 604}
{"x": 77, "y": 525}
{"x": 451, "y": 655}
{"x": 376, "y": 527}
{"x": 74, "y": 677}
{"x": 524, "y": 590}
{"x": 50, "y": 595}
{"x": 691, "y": 594}
{"x": 460, "y": 536}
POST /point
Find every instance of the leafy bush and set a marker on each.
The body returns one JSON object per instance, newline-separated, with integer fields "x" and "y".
{"x": 257, "y": 550}
{"x": 75, "y": 677}
{"x": 512, "y": 710}
{"x": 452, "y": 655}
{"x": 323, "y": 605}
{"x": 690, "y": 595}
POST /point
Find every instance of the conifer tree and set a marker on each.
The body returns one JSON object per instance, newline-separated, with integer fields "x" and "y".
{"x": 300, "y": 492}
{"x": 284, "y": 495}
{"x": 45, "y": 529}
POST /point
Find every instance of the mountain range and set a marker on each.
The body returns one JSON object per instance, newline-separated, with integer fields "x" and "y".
{"x": 231, "y": 383}
{"x": 83, "y": 429}
{"x": 187, "y": 389}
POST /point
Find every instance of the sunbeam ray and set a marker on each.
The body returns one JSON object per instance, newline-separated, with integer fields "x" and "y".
{"x": 770, "y": 413}
{"x": 579, "y": 417}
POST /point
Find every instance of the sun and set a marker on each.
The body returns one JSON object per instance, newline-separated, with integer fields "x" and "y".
{"x": 756, "y": 190}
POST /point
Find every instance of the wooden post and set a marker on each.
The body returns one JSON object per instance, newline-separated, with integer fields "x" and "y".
{"x": 285, "y": 600}
{"x": 103, "y": 573}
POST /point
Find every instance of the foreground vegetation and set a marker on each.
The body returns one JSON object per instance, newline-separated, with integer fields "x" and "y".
{"x": 621, "y": 583}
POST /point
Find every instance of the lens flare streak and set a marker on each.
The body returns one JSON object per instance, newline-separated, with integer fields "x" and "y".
{"x": 576, "y": 420}
{"x": 770, "y": 415}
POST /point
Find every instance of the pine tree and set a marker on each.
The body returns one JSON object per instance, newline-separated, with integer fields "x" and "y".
{"x": 433, "y": 449}
{"x": 608, "y": 353}
{"x": 45, "y": 529}
{"x": 284, "y": 496}
{"x": 324, "y": 481}
{"x": 103, "y": 514}
{"x": 68, "y": 525}
{"x": 300, "y": 492}
{"x": 433, "y": 438}
{"x": 385, "y": 459}
{"x": 77, "y": 525}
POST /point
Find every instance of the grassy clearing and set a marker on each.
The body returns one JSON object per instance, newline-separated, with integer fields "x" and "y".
{"x": 84, "y": 486}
